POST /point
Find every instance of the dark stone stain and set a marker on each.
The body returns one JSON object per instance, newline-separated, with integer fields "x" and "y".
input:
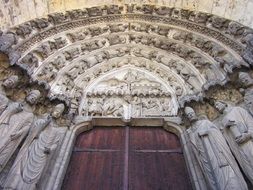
{"x": 1, "y": 14}
{"x": 16, "y": 3}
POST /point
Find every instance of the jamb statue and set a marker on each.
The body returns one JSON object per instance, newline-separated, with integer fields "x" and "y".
{"x": 237, "y": 126}
{"x": 15, "y": 123}
{"x": 36, "y": 153}
{"x": 247, "y": 82}
{"x": 213, "y": 155}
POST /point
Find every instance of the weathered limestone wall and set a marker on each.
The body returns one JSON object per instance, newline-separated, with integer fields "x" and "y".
{"x": 13, "y": 12}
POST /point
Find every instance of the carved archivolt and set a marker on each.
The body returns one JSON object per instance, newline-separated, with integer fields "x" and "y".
{"x": 189, "y": 51}
{"x": 128, "y": 62}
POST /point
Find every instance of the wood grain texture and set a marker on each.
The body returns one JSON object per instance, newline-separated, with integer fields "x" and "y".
{"x": 97, "y": 170}
{"x": 156, "y": 170}
{"x": 155, "y": 161}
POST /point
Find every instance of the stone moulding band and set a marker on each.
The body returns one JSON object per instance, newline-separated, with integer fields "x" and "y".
{"x": 227, "y": 40}
{"x": 20, "y": 39}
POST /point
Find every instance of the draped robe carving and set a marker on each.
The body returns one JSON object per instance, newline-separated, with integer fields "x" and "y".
{"x": 3, "y": 103}
{"x": 14, "y": 125}
{"x": 34, "y": 156}
{"x": 242, "y": 125}
{"x": 247, "y": 82}
{"x": 214, "y": 157}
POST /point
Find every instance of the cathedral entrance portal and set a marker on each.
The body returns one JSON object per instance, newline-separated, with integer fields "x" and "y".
{"x": 127, "y": 158}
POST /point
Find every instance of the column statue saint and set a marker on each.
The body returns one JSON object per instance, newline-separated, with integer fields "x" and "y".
{"x": 15, "y": 123}
{"x": 247, "y": 82}
{"x": 213, "y": 155}
{"x": 237, "y": 126}
{"x": 36, "y": 153}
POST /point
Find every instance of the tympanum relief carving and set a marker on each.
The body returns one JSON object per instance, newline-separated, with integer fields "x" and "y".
{"x": 129, "y": 93}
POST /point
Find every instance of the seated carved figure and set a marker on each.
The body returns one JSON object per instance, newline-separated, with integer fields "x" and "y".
{"x": 213, "y": 155}
{"x": 7, "y": 40}
{"x": 35, "y": 154}
{"x": 15, "y": 123}
{"x": 11, "y": 82}
{"x": 237, "y": 126}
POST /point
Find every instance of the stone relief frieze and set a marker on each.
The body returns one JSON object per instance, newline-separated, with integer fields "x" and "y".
{"x": 129, "y": 93}
{"x": 228, "y": 62}
{"x": 247, "y": 54}
{"x": 228, "y": 27}
{"x": 193, "y": 80}
{"x": 181, "y": 51}
{"x": 49, "y": 47}
{"x": 49, "y": 72}
{"x": 178, "y": 23}
{"x": 186, "y": 73}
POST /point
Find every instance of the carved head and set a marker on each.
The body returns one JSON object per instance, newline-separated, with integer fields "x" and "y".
{"x": 11, "y": 82}
{"x": 190, "y": 114}
{"x": 6, "y": 41}
{"x": 245, "y": 79}
{"x": 33, "y": 97}
{"x": 58, "y": 110}
{"x": 220, "y": 106}
{"x": 179, "y": 91}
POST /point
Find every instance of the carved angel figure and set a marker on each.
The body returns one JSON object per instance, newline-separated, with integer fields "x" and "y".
{"x": 11, "y": 82}
{"x": 237, "y": 126}
{"x": 213, "y": 155}
{"x": 35, "y": 154}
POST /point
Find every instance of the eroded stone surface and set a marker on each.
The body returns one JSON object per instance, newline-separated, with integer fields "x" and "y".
{"x": 126, "y": 65}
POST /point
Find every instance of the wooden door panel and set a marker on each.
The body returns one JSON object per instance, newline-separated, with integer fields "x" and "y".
{"x": 96, "y": 161}
{"x": 152, "y": 138}
{"x": 94, "y": 171}
{"x": 161, "y": 171}
{"x": 156, "y": 161}
{"x": 102, "y": 138}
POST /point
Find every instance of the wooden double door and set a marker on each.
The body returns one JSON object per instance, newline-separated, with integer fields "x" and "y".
{"x": 127, "y": 158}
